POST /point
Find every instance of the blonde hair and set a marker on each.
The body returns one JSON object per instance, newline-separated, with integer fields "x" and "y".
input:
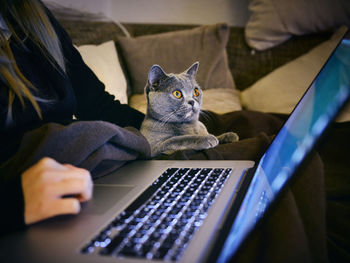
{"x": 31, "y": 18}
{"x": 17, "y": 85}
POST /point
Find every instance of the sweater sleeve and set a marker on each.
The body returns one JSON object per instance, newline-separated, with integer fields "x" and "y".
{"x": 11, "y": 205}
{"x": 93, "y": 102}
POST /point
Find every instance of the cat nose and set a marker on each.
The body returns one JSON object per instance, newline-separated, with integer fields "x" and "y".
{"x": 191, "y": 102}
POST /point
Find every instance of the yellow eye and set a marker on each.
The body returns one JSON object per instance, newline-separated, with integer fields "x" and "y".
{"x": 177, "y": 94}
{"x": 196, "y": 92}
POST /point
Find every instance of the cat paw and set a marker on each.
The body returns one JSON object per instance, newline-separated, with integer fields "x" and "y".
{"x": 228, "y": 137}
{"x": 211, "y": 141}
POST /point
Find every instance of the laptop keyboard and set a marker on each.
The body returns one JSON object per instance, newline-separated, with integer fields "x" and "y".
{"x": 160, "y": 223}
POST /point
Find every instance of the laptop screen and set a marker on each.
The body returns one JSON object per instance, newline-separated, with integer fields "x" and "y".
{"x": 314, "y": 112}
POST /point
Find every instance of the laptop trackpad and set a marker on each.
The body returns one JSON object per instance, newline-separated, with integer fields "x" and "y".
{"x": 104, "y": 197}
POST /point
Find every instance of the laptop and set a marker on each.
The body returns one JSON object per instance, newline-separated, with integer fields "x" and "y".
{"x": 153, "y": 211}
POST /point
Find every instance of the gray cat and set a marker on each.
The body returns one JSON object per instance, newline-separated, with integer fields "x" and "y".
{"x": 173, "y": 106}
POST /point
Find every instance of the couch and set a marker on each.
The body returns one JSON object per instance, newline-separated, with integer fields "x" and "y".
{"x": 261, "y": 80}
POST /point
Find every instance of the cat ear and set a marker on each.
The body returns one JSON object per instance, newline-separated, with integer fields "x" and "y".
{"x": 192, "y": 71}
{"x": 155, "y": 74}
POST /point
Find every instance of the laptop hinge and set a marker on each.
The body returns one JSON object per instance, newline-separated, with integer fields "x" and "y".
{"x": 242, "y": 189}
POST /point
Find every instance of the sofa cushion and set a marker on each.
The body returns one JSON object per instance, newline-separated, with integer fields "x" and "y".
{"x": 176, "y": 51}
{"x": 280, "y": 90}
{"x": 103, "y": 61}
{"x": 274, "y": 21}
{"x": 246, "y": 66}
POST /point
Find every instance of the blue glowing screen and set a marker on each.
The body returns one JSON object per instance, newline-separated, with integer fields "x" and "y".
{"x": 314, "y": 112}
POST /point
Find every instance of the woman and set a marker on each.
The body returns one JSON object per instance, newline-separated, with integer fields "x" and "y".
{"x": 44, "y": 79}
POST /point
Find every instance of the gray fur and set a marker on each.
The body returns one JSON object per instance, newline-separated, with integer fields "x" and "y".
{"x": 171, "y": 123}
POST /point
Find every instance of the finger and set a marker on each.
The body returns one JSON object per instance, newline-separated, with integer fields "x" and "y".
{"x": 87, "y": 194}
{"x": 68, "y": 165}
{"x": 74, "y": 172}
{"x": 57, "y": 207}
{"x": 64, "y": 206}
{"x": 49, "y": 170}
{"x": 48, "y": 162}
{"x": 82, "y": 187}
{"x": 57, "y": 175}
{"x": 85, "y": 175}
{"x": 72, "y": 167}
{"x": 43, "y": 169}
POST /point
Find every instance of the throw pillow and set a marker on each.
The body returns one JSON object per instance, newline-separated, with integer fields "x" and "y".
{"x": 103, "y": 61}
{"x": 273, "y": 21}
{"x": 176, "y": 51}
{"x": 280, "y": 90}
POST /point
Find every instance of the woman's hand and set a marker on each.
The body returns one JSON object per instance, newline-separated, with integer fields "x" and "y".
{"x": 51, "y": 189}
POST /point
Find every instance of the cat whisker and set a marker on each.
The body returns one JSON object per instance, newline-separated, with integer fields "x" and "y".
{"x": 171, "y": 114}
{"x": 164, "y": 120}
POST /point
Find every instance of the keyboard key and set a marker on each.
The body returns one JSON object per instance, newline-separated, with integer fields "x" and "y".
{"x": 112, "y": 246}
{"x": 129, "y": 250}
{"x": 89, "y": 248}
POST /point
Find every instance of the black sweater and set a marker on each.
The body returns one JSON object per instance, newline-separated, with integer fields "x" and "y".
{"x": 77, "y": 92}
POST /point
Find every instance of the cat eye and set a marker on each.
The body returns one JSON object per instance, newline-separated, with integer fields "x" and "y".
{"x": 177, "y": 94}
{"x": 196, "y": 92}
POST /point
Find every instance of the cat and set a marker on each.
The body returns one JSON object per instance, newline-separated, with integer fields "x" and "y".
{"x": 173, "y": 107}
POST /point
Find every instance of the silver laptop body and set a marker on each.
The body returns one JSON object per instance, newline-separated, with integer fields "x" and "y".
{"x": 62, "y": 239}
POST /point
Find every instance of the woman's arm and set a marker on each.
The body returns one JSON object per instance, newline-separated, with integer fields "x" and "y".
{"x": 11, "y": 205}
{"x": 93, "y": 102}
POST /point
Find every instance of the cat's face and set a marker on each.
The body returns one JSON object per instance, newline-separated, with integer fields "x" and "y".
{"x": 173, "y": 97}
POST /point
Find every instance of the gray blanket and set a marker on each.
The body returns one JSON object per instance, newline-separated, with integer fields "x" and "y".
{"x": 97, "y": 146}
